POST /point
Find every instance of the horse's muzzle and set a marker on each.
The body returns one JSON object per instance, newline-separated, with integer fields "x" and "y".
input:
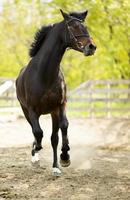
{"x": 89, "y": 49}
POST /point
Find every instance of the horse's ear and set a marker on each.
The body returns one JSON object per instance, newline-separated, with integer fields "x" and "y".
{"x": 84, "y": 15}
{"x": 65, "y": 15}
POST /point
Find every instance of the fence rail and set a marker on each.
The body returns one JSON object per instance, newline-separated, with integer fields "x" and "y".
{"x": 102, "y": 98}
{"x": 99, "y": 98}
{"x": 7, "y": 94}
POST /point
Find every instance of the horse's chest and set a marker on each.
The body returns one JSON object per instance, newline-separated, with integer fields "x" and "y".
{"x": 51, "y": 100}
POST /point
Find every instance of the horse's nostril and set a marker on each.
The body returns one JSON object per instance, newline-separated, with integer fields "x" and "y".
{"x": 92, "y": 46}
{"x": 95, "y": 47}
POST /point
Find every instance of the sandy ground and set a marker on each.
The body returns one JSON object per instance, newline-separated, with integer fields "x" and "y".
{"x": 100, "y": 161}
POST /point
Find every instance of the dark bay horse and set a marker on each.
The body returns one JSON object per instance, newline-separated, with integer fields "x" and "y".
{"x": 40, "y": 86}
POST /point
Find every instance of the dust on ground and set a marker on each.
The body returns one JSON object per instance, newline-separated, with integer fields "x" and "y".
{"x": 100, "y": 161}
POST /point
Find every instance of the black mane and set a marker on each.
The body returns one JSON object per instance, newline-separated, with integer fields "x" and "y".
{"x": 39, "y": 39}
{"x": 42, "y": 33}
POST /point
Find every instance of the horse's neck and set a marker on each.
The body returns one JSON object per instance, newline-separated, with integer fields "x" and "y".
{"x": 50, "y": 56}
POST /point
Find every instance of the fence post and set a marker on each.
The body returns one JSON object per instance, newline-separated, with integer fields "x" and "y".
{"x": 108, "y": 106}
{"x": 91, "y": 108}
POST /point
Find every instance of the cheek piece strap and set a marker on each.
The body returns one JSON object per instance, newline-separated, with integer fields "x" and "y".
{"x": 74, "y": 37}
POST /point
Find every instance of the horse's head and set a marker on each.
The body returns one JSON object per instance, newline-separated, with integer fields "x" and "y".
{"x": 76, "y": 34}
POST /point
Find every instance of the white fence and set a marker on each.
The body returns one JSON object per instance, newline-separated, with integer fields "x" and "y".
{"x": 8, "y": 100}
{"x": 100, "y": 98}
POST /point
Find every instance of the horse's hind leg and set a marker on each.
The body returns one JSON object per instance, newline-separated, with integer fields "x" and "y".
{"x": 54, "y": 142}
{"x": 64, "y": 157}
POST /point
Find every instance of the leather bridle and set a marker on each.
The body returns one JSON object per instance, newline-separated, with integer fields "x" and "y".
{"x": 74, "y": 37}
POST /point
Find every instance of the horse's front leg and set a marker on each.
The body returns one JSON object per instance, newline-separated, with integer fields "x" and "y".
{"x": 33, "y": 120}
{"x": 64, "y": 157}
{"x": 54, "y": 142}
{"x": 38, "y": 134}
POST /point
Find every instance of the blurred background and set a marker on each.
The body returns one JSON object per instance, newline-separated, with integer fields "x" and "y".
{"x": 98, "y": 105}
{"x": 108, "y": 22}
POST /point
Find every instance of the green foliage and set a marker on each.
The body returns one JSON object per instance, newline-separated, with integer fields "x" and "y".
{"x": 108, "y": 22}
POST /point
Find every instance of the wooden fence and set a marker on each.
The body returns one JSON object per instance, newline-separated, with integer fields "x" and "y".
{"x": 99, "y": 98}
{"x": 8, "y": 100}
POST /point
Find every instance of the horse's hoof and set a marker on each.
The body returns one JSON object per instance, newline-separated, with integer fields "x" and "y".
{"x": 65, "y": 163}
{"x": 56, "y": 171}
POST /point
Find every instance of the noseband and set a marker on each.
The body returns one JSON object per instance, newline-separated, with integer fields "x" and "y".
{"x": 75, "y": 37}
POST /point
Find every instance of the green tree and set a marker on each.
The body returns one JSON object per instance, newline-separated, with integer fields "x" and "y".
{"x": 108, "y": 22}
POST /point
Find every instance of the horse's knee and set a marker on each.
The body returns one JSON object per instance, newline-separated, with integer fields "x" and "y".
{"x": 38, "y": 134}
{"x": 64, "y": 124}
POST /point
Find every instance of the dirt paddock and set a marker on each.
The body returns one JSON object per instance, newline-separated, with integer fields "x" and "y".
{"x": 100, "y": 161}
